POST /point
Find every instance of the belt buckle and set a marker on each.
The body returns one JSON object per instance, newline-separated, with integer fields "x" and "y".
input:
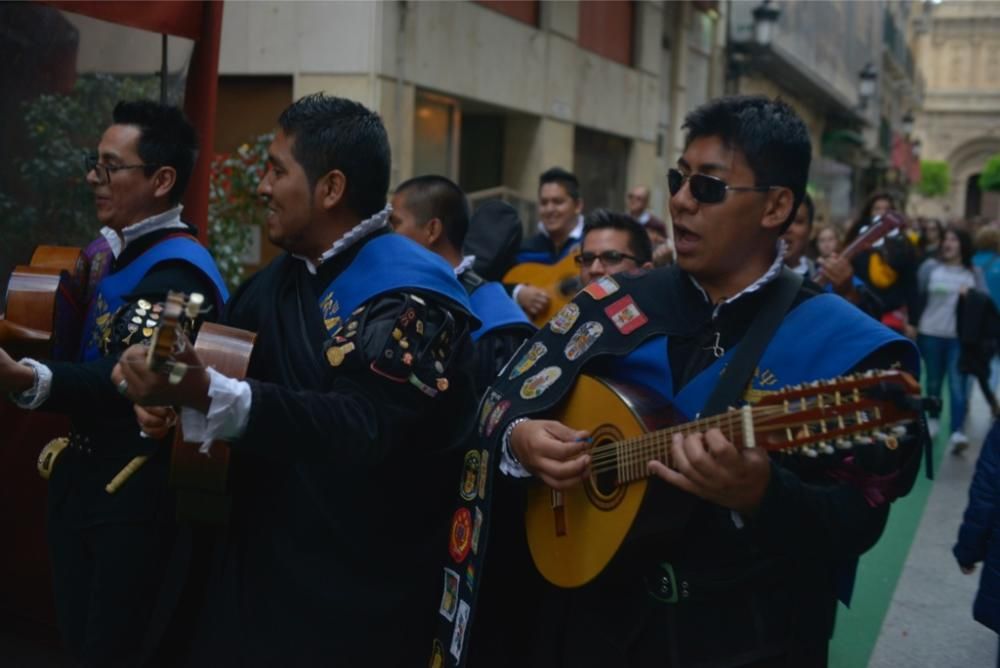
{"x": 661, "y": 585}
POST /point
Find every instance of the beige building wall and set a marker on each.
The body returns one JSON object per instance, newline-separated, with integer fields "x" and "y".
{"x": 957, "y": 46}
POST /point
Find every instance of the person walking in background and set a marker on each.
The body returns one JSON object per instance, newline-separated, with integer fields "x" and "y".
{"x": 977, "y": 537}
{"x": 940, "y": 283}
{"x": 825, "y": 242}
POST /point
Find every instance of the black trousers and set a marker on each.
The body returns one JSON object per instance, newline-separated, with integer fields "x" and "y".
{"x": 107, "y": 579}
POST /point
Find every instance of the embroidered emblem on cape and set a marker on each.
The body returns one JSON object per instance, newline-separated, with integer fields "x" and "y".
{"x": 626, "y": 316}
{"x": 495, "y": 417}
{"x": 477, "y": 527}
{"x": 437, "y": 654}
{"x": 583, "y": 339}
{"x": 470, "y": 475}
{"x": 602, "y": 287}
{"x": 484, "y": 412}
{"x": 461, "y": 535}
{"x": 458, "y": 637}
{"x": 449, "y": 595}
{"x": 470, "y": 577}
{"x": 541, "y": 381}
{"x": 335, "y": 354}
{"x": 564, "y": 320}
{"x": 484, "y": 465}
{"x": 529, "y": 358}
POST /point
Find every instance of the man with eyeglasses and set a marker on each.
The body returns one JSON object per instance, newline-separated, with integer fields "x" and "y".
{"x": 612, "y": 243}
{"x": 737, "y": 558}
{"x": 109, "y": 549}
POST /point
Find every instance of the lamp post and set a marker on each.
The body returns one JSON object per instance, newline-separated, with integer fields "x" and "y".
{"x": 907, "y": 123}
{"x": 765, "y": 18}
{"x": 866, "y": 84}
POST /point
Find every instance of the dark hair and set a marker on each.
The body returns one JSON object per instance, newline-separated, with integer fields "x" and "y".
{"x": 964, "y": 244}
{"x": 166, "y": 139}
{"x": 566, "y": 179}
{"x": 810, "y": 209}
{"x": 865, "y": 215}
{"x": 437, "y": 197}
{"x": 769, "y": 134}
{"x": 638, "y": 241}
{"x": 335, "y": 133}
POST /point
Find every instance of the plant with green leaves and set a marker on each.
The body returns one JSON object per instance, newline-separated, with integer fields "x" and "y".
{"x": 934, "y": 178}
{"x": 989, "y": 178}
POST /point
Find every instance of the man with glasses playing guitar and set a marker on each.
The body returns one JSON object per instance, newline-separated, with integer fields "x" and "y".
{"x": 110, "y": 541}
{"x": 734, "y": 557}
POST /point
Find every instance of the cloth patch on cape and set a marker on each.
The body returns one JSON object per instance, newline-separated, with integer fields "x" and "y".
{"x": 461, "y": 535}
{"x": 489, "y": 402}
{"x": 583, "y": 339}
{"x": 564, "y": 320}
{"x": 528, "y": 359}
{"x": 458, "y": 637}
{"x": 602, "y": 287}
{"x": 449, "y": 595}
{"x": 477, "y": 526}
{"x": 470, "y": 475}
{"x": 626, "y": 316}
{"x": 496, "y": 416}
{"x": 541, "y": 381}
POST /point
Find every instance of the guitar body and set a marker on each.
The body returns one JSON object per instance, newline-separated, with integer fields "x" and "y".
{"x": 571, "y": 550}
{"x": 201, "y": 479}
{"x": 560, "y": 281}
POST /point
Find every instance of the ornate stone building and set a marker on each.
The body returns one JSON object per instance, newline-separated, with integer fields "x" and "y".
{"x": 957, "y": 45}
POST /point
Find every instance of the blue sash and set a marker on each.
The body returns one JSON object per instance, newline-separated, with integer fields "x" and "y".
{"x": 113, "y": 288}
{"x": 389, "y": 263}
{"x": 495, "y": 309}
{"x": 545, "y": 256}
{"x": 828, "y": 336}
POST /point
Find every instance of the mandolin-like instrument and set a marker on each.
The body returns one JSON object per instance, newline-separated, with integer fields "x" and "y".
{"x": 560, "y": 281}
{"x": 883, "y": 226}
{"x": 573, "y": 534}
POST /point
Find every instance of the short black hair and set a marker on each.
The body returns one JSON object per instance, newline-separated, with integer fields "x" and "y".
{"x": 166, "y": 139}
{"x": 638, "y": 239}
{"x": 336, "y": 133}
{"x": 770, "y": 135}
{"x": 435, "y": 196}
{"x": 564, "y": 178}
{"x": 810, "y": 210}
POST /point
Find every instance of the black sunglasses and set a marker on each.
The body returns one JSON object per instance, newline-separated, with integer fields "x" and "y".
{"x": 707, "y": 189}
{"x": 607, "y": 257}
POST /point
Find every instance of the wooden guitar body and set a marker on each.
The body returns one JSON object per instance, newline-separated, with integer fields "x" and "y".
{"x": 560, "y": 281}
{"x": 572, "y": 542}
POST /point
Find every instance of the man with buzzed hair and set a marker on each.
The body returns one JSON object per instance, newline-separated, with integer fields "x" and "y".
{"x": 433, "y": 211}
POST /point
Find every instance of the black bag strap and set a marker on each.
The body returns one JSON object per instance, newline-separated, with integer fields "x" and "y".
{"x": 740, "y": 369}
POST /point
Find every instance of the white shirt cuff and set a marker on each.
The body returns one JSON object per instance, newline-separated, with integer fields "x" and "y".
{"x": 228, "y": 412}
{"x": 508, "y": 462}
{"x": 37, "y": 395}
{"x": 515, "y": 291}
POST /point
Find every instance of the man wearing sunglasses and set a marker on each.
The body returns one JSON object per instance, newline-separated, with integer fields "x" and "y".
{"x": 109, "y": 549}
{"x": 750, "y": 576}
{"x": 612, "y": 243}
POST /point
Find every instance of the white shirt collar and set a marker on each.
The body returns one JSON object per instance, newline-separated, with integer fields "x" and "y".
{"x": 465, "y": 264}
{"x": 575, "y": 235}
{"x": 644, "y": 218}
{"x": 769, "y": 275}
{"x": 170, "y": 219}
{"x": 354, "y": 235}
{"x": 803, "y": 268}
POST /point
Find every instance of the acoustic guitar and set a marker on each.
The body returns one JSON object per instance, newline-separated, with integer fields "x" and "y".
{"x": 43, "y": 304}
{"x": 560, "y": 281}
{"x": 200, "y": 476}
{"x": 574, "y": 534}
{"x": 886, "y": 224}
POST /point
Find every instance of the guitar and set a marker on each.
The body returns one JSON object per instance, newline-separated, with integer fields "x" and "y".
{"x": 886, "y": 224}
{"x": 199, "y": 477}
{"x": 43, "y": 304}
{"x": 560, "y": 281}
{"x": 574, "y": 534}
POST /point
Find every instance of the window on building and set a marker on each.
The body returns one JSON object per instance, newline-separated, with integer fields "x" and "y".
{"x": 606, "y": 28}
{"x": 600, "y": 162}
{"x": 435, "y": 136}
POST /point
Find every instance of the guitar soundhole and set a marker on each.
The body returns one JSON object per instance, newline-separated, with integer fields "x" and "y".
{"x": 602, "y": 487}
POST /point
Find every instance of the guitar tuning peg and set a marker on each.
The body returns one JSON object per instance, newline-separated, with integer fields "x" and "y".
{"x": 880, "y": 436}
{"x": 862, "y": 439}
{"x": 194, "y": 303}
{"x": 808, "y": 452}
{"x": 825, "y": 448}
{"x": 898, "y": 431}
{"x": 843, "y": 444}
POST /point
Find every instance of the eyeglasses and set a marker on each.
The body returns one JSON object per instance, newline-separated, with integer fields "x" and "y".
{"x": 608, "y": 257}
{"x": 91, "y": 163}
{"x": 707, "y": 189}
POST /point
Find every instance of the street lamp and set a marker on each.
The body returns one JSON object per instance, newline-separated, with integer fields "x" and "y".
{"x": 907, "y": 123}
{"x": 866, "y": 82}
{"x": 916, "y": 147}
{"x": 765, "y": 17}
